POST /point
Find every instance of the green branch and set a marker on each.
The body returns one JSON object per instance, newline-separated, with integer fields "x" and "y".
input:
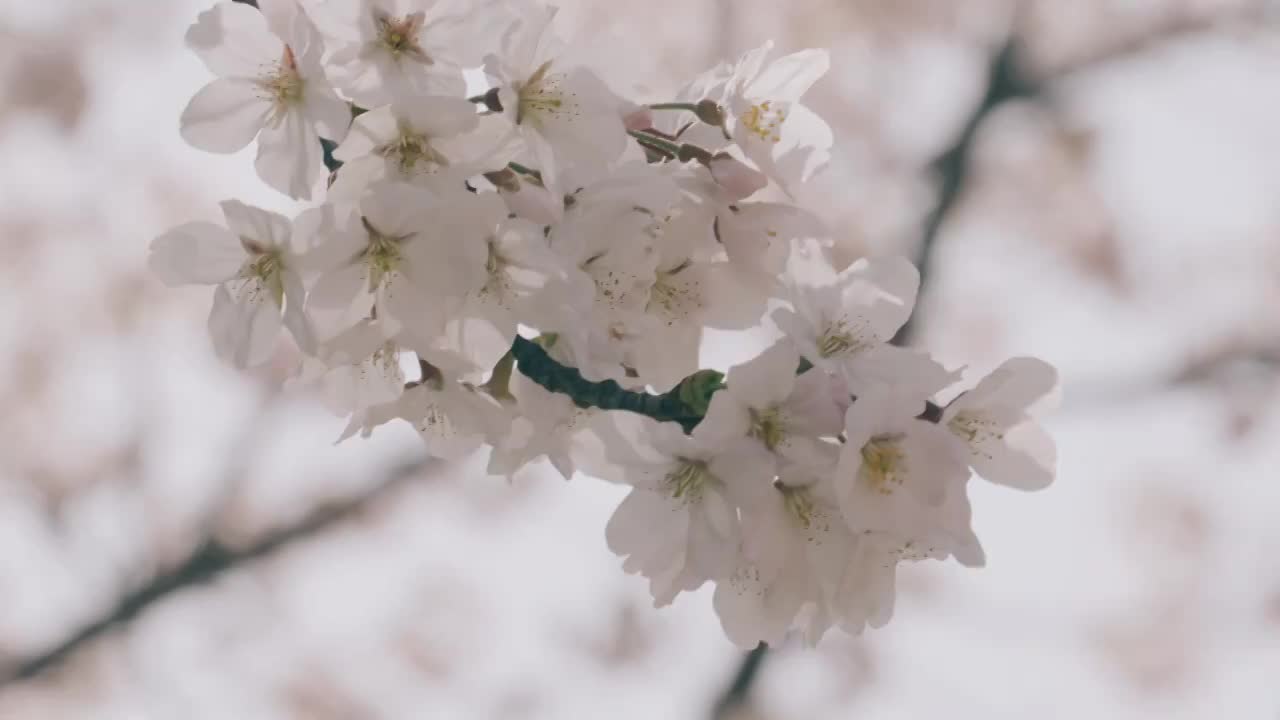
{"x": 685, "y": 403}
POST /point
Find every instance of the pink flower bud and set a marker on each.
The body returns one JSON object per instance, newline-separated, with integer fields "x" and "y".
{"x": 737, "y": 179}
{"x": 639, "y": 119}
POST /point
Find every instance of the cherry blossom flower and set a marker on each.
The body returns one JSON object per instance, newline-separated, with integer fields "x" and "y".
{"x": 897, "y": 471}
{"x": 271, "y": 85}
{"x": 566, "y": 115}
{"x": 783, "y": 138}
{"x": 678, "y": 526}
{"x": 395, "y": 50}
{"x": 547, "y": 425}
{"x": 785, "y": 413}
{"x": 792, "y": 559}
{"x": 253, "y": 262}
{"x": 423, "y": 141}
{"x": 454, "y": 418}
{"x": 843, "y": 322}
{"x": 407, "y": 253}
{"x": 1005, "y": 445}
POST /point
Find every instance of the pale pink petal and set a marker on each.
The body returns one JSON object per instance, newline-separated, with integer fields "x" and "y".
{"x": 289, "y": 156}
{"x": 196, "y": 253}
{"x": 224, "y": 116}
{"x": 233, "y": 40}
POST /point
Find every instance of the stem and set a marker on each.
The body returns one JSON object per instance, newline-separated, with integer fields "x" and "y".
{"x": 691, "y": 107}
{"x": 523, "y": 170}
{"x": 655, "y": 143}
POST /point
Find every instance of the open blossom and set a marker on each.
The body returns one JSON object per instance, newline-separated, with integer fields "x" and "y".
{"x": 394, "y": 50}
{"x": 424, "y": 140}
{"x": 775, "y": 131}
{"x": 785, "y": 413}
{"x": 454, "y": 418}
{"x": 253, "y": 262}
{"x": 408, "y": 252}
{"x": 794, "y": 553}
{"x": 518, "y": 267}
{"x": 546, "y": 425}
{"x": 357, "y": 369}
{"x": 843, "y": 323}
{"x": 1005, "y": 445}
{"x": 897, "y": 471}
{"x": 678, "y": 526}
{"x": 271, "y": 85}
{"x": 566, "y": 115}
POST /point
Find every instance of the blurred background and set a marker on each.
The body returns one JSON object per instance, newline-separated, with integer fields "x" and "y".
{"x": 1096, "y": 182}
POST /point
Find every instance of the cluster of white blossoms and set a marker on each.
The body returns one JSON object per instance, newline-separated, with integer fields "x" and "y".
{"x": 550, "y": 254}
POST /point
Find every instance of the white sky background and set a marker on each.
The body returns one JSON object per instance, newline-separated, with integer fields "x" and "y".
{"x": 1144, "y": 584}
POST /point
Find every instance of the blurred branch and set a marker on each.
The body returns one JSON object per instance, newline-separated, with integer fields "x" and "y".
{"x": 205, "y": 564}
{"x": 739, "y": 691}
{"x": 1009, "y": 79}
{"x": 1172, "y": 28}
{"x": 952, "y": 167}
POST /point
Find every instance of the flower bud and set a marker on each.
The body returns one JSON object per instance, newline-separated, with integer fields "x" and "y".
{"x": 709, "y": 112}
{"x": 639, "y": 119}
{"x": 737, "y": 178}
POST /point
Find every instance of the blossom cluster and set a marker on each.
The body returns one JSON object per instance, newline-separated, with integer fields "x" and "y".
{"x": 540, "y": 223}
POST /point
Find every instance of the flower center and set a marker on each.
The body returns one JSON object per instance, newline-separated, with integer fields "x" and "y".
{"x": 410, "y": 149}
{"x": 767, "y": 426}
{"x": 764, "y": 120}
{"x": 283, "y": 84}
{"x": 264, "y": 266}
{"x": 672, "y": 297}
{"x": 539, "y": 96}
{"x": 837, "y": 339}
{"x": 382, "y": 253}
{"x": 798, "y": 504}
{"x": 498, "y": 284}
{"x": 974, "y": 428}
{"x": 399, "y": 36}
{"x": 884, "y": 464}
{"x": 688, "y": 479}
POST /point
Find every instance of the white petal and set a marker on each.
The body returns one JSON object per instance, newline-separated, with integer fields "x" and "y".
{"x": 330, "y": 113}
{"x": 244, "y": 331}
{"x": 1018, "y": 383}
{"x": 440, "y": 116}
{"x": 224, "y": 116}
{"x": 295, "y": 317}
{"x": 196, "y": 253}
{"x": 1025, "y": 459}
{"x": 371, "y": 130}
{"x": 233, "y": 40}
{"x": 332, "y": 303}
{"x": 289, "y": 156}
{"x": 268, "y": 229}
{"x": 766, "y": 380}
{"x": 790, "y": 76}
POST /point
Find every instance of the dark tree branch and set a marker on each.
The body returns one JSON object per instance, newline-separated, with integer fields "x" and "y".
{"x": 684, "y": 404}
{"x": 206, "y": 563}
{"x": 1004, "y": 82}
{"x": 1009, "y": 79}
{"x": 739, "y": 691}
